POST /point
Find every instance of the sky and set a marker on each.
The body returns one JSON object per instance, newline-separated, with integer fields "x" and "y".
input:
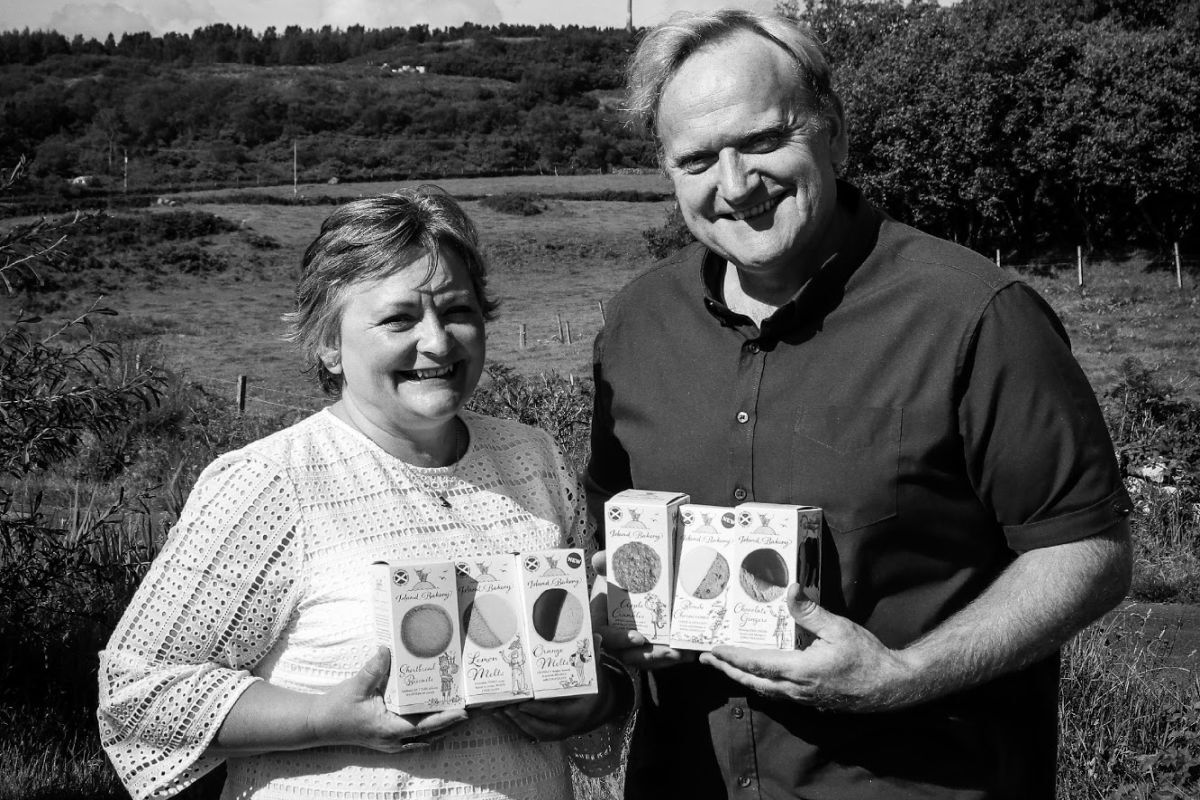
{"x": 97, "y": 18}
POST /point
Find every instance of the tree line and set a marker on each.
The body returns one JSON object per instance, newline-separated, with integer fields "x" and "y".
{"x": 1014, "y": 124}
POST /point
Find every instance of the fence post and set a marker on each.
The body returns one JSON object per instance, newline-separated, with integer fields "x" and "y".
{"x": 567, "y": 332}
{"x": 241, "y": 393}
{"x": 1079, "y": 259}
{"x": 521, "y": 336}
{"x": 1178, "y": 269}
{"x": 600, "y": 303}
{"x": 997, "y": 256}
{"x": 558, "y": 317}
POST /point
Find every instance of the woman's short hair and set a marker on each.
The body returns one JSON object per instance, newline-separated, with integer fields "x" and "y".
{"x": 663, "y": 50}
{"x": 374, "y": 238}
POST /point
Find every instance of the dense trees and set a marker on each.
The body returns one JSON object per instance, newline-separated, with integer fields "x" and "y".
{"x": 1017, "y": 124}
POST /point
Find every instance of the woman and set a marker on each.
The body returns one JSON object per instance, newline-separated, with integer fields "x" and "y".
{"x": 251, "y": 639}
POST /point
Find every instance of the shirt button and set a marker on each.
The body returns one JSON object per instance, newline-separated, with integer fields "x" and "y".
{"x": 752, "y": 348}
{"x": 742, "y": 416}
{"x": 739, "y": 493}
{"x": 744, "y": 781}
{"x": 738, "y": 713}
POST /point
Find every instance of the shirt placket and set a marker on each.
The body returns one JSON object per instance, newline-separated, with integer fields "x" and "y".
{"x": 747, "y": 384}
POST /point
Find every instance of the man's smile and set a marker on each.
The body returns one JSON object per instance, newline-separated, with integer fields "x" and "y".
{"x": 761, "y": 208}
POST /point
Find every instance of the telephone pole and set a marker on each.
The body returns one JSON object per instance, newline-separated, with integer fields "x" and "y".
{"x": 629, "y": 17}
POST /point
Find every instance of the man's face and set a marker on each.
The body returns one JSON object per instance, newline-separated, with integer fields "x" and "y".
{"x": 754, "y": 177}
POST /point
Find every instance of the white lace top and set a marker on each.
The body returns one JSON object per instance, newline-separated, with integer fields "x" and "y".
{"x": 265, "y": 578}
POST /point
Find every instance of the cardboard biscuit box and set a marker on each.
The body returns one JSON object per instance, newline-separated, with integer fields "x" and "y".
{"x": 495, "y": 642}
{"x": 702, "y": 576}
{"x": 416, "y": 617}
{"x": 778, "y": 544}
{"x": 558, "y": 618}
{"x": 640, "y": 537}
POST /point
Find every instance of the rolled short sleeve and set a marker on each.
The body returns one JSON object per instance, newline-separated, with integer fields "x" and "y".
{"x": 1037, "y": 449}
{"x": 212, "y": 605}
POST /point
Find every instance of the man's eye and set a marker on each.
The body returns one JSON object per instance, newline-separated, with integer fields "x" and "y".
{"x": 695, "y": 164}
{"x": 764, "y": 144}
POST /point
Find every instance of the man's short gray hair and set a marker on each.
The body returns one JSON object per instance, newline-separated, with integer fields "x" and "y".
{"x": 663, "y": 50}
{"x": 374, "y": 238}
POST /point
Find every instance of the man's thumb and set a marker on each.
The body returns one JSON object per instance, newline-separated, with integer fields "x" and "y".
{"x": 808, "y": 615}
{"x": 600, "y": 562}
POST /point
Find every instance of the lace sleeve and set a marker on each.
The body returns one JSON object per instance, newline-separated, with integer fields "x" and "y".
{"x": 212, "y": 606}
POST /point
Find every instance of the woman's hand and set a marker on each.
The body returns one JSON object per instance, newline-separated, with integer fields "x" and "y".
{"x": 267, "y": 718}
{"x": 353, "y": 713}
{"x": 552, "y": 720}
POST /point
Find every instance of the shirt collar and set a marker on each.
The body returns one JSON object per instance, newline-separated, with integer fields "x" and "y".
{"x": 857, "y": 243}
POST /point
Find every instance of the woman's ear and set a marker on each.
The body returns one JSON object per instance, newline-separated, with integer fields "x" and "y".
{"x": 331, "y": 359}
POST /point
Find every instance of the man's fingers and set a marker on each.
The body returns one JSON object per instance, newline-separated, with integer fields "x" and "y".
{"x": 767, "y": 664}
{"x": 600, "y": 562}
{"x": 751, "y": 681}
{"x": 615, "y": 639}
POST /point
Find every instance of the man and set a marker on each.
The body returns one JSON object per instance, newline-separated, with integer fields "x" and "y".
{"x": 808, "y": 349}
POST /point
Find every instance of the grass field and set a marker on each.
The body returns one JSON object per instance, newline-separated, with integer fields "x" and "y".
{"x": 210, "y": 307}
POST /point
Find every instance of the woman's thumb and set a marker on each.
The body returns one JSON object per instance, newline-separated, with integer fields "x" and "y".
{"x": 373, "y": 676}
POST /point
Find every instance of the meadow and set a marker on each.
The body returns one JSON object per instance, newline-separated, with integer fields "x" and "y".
{"x": 198, "y": 288}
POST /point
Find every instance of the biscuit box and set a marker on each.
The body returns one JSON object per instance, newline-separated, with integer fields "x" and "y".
{"x": 558, "y": 618}
{"x": 702, "y": 575}
{"x": 495, "y": 643}
{"x": 640, "y": 535}
{"x": 766, "y": 524}
{"x": 416, "y": 617}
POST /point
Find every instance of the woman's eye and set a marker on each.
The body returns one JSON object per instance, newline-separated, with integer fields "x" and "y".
{"x": 399, "y": 323}
{"x": 459, "y": 312}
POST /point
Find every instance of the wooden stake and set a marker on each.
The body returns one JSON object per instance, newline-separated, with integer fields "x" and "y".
{"x": 567, "y": 332}
{"x": 1079, "y": 258}
{"x": 241, "y": 393}
{"x": 600, "y": 303}
{"x": 997, "y": 256}
{"x": 558, "y": 317}
{"x": 1178, "y": 269}
{"x": 521, "y": 335}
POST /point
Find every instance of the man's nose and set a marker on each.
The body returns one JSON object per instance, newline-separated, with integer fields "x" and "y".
{"x": 737, "y": 181}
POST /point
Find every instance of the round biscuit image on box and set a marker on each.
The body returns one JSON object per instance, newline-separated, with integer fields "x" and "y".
{"x": 704, "y": 573}
{"x": 763, "y": 575}
{"x": 557, "y": 615}
{"x": 425, "y": 630}
{"x": 489, "y": 621}
{"x": 636, "y": 567}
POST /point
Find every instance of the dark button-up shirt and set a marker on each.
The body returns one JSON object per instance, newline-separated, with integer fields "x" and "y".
{"x": 929, "y": 403}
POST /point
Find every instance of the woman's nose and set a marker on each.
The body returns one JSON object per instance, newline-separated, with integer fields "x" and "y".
{"x": 433, "y": 338}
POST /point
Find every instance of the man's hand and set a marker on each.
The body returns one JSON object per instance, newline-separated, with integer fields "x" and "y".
{"x": 552, "y": 720}
{"x": 630, "y": 647}
{"x": 845, "y": 669}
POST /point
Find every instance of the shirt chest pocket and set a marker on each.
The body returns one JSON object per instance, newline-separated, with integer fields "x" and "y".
{"x": 846, "y": 460}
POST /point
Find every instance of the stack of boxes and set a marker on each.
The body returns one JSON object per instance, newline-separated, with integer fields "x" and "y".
{"x": 496, "y": 630}
{"x": 728, "y": 569}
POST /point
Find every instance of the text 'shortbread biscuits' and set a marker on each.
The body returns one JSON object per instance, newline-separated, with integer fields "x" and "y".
{"x": 702, "y": 581}
{"x": 416, "y": 617}
{"x": 641, "y": 537}
{"x": 562, "y": 653}
{"x": 495, "y": 644}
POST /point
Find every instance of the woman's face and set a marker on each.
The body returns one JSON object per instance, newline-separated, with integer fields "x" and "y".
{"x": 411, "y": 350}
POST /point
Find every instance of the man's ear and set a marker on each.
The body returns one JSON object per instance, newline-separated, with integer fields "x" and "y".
{"x": 839, "y": 136}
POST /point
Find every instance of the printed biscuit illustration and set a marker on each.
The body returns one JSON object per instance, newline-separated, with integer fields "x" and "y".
{"x": 640, "y": 529}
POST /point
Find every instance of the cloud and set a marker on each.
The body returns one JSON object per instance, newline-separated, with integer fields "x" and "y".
{"x": 156, "y": 16}
{"x": 386, "y": 13}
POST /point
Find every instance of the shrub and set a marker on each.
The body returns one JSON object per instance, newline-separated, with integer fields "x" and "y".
{"x": 673, "y": 235}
